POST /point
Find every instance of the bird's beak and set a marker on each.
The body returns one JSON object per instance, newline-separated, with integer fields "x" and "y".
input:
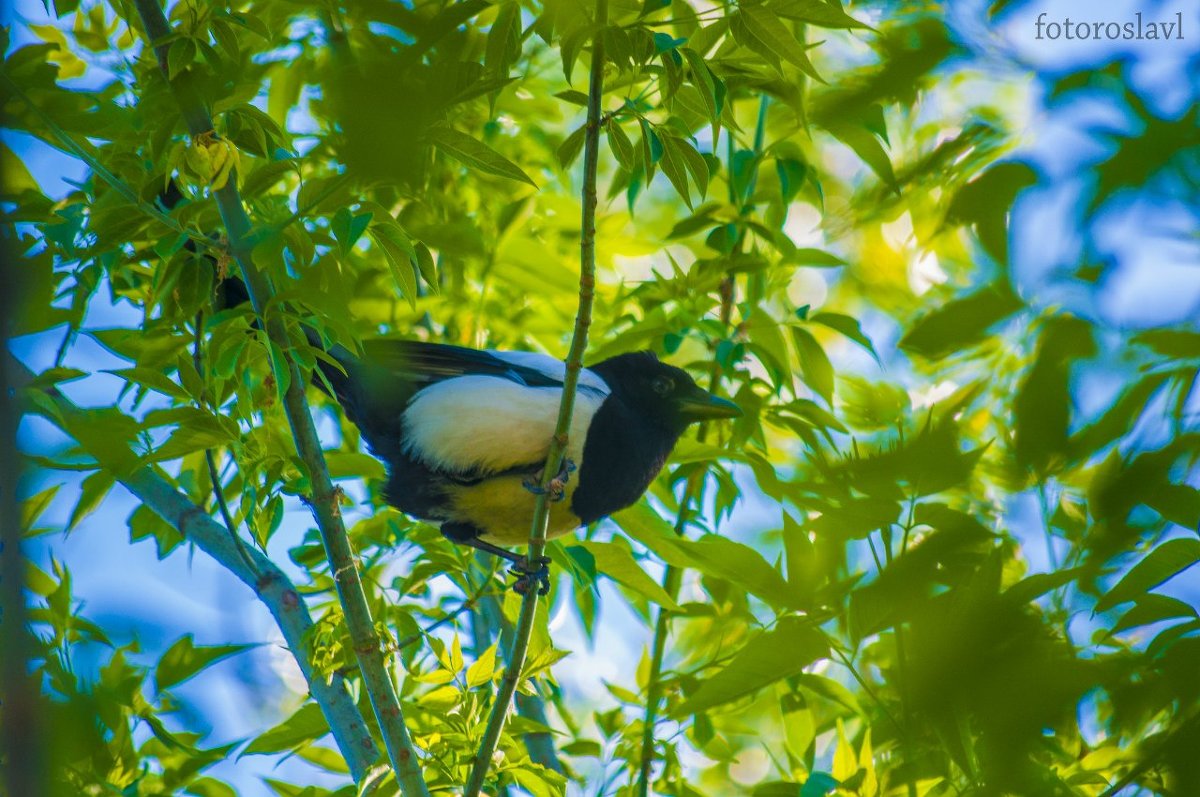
{"x": 703, "y": 406}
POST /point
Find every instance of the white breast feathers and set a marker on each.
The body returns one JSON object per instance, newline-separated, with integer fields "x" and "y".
{"x": 485, "y": 424}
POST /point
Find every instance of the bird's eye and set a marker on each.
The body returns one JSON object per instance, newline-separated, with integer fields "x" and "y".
{"x": 663, "y": 385}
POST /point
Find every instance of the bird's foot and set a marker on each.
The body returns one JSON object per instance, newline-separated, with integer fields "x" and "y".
{"x": 557, "y": 488}
{"x": 530, "y": 574}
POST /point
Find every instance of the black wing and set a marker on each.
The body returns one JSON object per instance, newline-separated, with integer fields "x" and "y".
{"x": 423, "y": 364}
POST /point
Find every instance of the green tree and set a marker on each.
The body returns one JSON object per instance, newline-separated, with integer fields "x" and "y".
{"x": 807, "y": 206}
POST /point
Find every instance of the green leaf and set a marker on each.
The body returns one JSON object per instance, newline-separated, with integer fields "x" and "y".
{"x": 854, "y": 518}
{"x": 92, "y": 493}
{"x": 650, "y": 6}
{"x": 818, "y": 784}
{"x": 503, "y": 40}
{"x": 814, "y": 364}
{"x": 868, "y": 147}
{"x": 354, "y": 465}
{"x": 279, "y": 367}
{"x": 712, "y": 555}
{"x": 576, "y": 98}
{"x": 1152, "y": 608}
{"x": 348, "y": 227}
{"x": 985, "y": 202}
{"x": 400, "y": 254}
{"x": 616, "y": 562}
{"x": 773, "y": 36}
{"x": 426, "y": 266}
{"x": 621, "y": 146}
{"x": 652, "y": 149}
{"x": 184, "y": 659}
{"x": 209, "y": 787}
{"x": 816, "y": 258}
{"x": 197, "y": 430}
{"x": 1033, "y": 587}
{"x": 674, "y": 168}
{"x": 704, "y": 81}
{"x": 1163, "y": 563}
{"x": 55, "y": 376}
{"x": 33, "y": 506}
{"x": 962, "y": 322}
{"x": 572, "y": 145}
{"x": 152, "y": 379}
{"x": 847, "y": 326}
{"x": 481, "y": 670}
{"x": 180, "y": 55}
{"x": 306, "y": 725}
{"x": 1042, "y": 408}
{"x": 1181, "y": 344}
{"x": 15, "y": 178}
{"x": 815, "y": 12}
{"x": 779, "y": 653}
{"x": 474, "y": 154}
{"x": 696, "y": 165}
{"x": 145, "y": 523}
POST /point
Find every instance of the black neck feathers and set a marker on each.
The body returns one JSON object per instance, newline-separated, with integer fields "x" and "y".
{"x": 623, "y": 453}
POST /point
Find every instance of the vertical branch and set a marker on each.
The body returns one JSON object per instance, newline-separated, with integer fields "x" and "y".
{"x": 558, "y": 444}
{"x": 484, "y": 625}
{"x": 21, "y": 724}
{"x": 673, "y": 578}
{"x": 368, "y": 647}
{"x": 693, "y": 490}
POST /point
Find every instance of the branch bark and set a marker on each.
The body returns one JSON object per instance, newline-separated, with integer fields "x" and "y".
{"x": 22, "y": 739}
{"x": 368, "y": 647}
{"x": 252, "y": 568}
{"x": 558, "y": 444}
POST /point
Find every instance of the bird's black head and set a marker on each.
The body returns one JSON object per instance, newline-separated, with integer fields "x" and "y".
{"x": 661, "y": 392}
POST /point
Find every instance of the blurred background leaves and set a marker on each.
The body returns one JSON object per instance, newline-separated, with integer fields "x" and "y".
{"x": 948, "y": 271}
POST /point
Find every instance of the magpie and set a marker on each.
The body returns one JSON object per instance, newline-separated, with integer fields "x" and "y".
{"x": 465, "y": 434}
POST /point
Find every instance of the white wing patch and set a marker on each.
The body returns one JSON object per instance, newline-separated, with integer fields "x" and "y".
{"x": 551, "y": 367}
{"x": 486, "y": 423}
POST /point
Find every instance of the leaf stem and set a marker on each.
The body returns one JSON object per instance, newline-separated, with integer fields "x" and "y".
{"x": 566, "y": 408}
{"x": 368, "y": 647}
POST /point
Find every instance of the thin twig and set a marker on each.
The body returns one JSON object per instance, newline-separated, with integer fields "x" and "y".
{"x": 369, "y": 649}
{"x": 469, "y": 603}
{"x": 214, "y": 473}
{"x": 558, "y": 444}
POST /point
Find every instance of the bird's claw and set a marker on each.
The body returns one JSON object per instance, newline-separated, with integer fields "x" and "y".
{"x": 530, "y": 573}
{"x": 557, "y": 488}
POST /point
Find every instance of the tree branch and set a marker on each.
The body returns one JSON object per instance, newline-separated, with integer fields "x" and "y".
{"x": 23, "y": 743}
{"x": 672, "y": 580}
{"x": 558, "y": 444}
{"x": 368, "y": 647}
{"x": 252, "y": 568}
{"x": 674, "y": 575}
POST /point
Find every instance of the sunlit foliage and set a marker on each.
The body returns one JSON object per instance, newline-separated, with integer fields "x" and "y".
{"x": 809, "y": 207}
